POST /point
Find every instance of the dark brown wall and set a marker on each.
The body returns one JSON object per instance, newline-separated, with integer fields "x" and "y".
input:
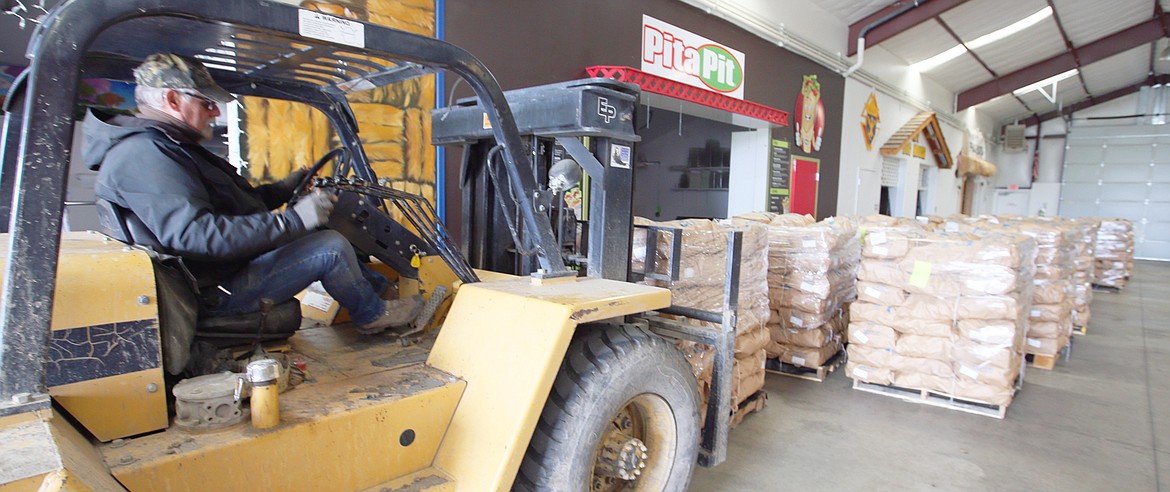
{"x": 533, "y": 42}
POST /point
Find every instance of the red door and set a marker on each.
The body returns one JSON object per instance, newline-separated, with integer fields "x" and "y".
{"x": 805, "y": 175}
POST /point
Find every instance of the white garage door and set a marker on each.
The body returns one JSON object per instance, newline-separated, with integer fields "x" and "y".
{"x": 1121, "y": 172}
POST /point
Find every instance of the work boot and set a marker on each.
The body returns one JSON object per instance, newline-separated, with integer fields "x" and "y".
{"x": 399, "y": 313}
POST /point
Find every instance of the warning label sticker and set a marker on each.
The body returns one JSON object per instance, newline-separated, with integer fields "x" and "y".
{"x": 329, "y": 28}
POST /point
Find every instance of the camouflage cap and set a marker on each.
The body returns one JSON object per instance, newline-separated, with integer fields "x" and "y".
{"x": 171, "y": 71}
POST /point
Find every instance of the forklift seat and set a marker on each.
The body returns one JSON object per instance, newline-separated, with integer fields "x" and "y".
{"x": 268, "y": 322}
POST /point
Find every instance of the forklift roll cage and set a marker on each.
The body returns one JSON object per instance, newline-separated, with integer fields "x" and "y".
{"x": 263, "y": 42}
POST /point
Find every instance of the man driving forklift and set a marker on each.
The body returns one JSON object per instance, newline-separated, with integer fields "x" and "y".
{"x": 186, "y": 201}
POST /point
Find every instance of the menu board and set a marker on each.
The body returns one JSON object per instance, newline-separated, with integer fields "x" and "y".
{"x": 779, "y": 175}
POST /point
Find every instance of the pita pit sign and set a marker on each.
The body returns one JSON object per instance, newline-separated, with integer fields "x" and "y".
{"x": 682, "y": 56}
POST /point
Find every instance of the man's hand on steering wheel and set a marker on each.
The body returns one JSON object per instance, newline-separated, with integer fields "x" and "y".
{"x": 305, "y": 182}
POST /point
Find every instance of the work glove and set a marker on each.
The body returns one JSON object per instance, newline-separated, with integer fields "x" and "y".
{"x": 314, "y": 209}
{"x": 293, "y": 178}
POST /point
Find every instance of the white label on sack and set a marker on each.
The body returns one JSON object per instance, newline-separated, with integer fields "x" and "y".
{"x": 805, "y": 286}
{"x": 967, "y": 371}
{"x": 1032, "y": 342}
{"x": 880, "y": 250}
{"x": 317, "y": 301}
{"x": 798, "y": 360}
{"x": 317, "y": 25}
{"x": 809, "y": 243}
{"x": 877, "y": 238}
{"x": 860, "y": 336}
{"x": 860, "y": 373}
{"x": 872, "y": 292}
{"x": 1035, "y": 313}
{"x": 952, "y": 227}
{"x": 797, "y": 321}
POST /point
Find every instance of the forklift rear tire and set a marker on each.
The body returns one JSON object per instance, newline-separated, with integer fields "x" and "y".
{"x": 623, "y": 414}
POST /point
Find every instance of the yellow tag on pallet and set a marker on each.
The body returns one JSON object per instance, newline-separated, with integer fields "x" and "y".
{"x": 415, "y": 261}
{"x": 921, "y": 274}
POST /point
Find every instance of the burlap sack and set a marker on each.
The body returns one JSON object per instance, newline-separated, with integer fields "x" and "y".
{"x": 880, "y": 294}
{"x": 870, "y": 356}
{"x": 814, "y": 338}
{"x": 784, "y": 297}
{"x": 940, "y": 279}
{"x": 747, "y": 377}
{"x": 963, "y": 307}
{"x": 803, "y": 356}
{"x": 886, "y": 315}
{"x": 986, "y": 363}
{"x": 751, "y": 341}
{"x": 990, "y": 332}
{"x": 937, "y": 348}
{"x": 1050, "y": 291}
{"x": 965, "y": 255}
{"x": 901, "y": 364}
{"x": 1045, "y": 346}
{"x": 819, "y": 283}
{"x": 986, "y": 393}
{"x": 887, "y": 243}
{"x": 798, "y": 320}
{"x": 869, "y": 374}
{"x": 1050, "y": 312}
{"x": 872, "y": 335}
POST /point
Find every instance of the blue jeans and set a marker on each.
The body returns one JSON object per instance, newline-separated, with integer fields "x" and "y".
{"x": 283, "y": 272}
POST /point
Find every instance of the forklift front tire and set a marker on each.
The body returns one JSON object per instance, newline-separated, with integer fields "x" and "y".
{"x": 623, "y": 414}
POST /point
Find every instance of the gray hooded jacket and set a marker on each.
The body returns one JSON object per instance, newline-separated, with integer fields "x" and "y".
{"x": 194, "y": 202}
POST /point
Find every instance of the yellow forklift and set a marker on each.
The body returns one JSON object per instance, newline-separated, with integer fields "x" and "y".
{"x": 538, "y": 378}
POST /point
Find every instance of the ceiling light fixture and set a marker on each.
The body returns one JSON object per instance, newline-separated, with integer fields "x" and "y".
{"x": 984, "y": 40}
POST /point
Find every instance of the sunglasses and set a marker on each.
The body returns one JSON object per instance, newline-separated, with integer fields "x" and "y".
{"x": 208, "y": 103}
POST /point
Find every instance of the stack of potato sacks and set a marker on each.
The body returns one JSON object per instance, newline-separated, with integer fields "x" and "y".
{"x": 943, "y": 312}
{"x": 1114, "y": 253}
{"x": 1050, "y": 320}
{"x": 702, "y": 275}
{"x": 812, "y": 271}
{"x": 1084, "y": 262}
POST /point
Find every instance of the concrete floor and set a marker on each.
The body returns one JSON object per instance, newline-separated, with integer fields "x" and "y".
{"x": 1098, "y": 422}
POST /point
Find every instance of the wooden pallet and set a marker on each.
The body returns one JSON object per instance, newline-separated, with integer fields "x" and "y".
{"x": 1042, "y": 361}
{"x": 934, "y": 399}
{"x": 1048, "y": 362}
{"x": 751, "y": 404}
{"x": 817, "y": 373}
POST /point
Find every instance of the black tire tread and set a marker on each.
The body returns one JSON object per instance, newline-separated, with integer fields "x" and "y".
{"x": 591, "y": 356}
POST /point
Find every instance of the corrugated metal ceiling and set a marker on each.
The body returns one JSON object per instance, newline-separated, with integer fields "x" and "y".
{"x": 1083, "y": 22}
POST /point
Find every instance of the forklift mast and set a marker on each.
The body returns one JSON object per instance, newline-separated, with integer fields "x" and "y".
{"x": 554, "y": 120}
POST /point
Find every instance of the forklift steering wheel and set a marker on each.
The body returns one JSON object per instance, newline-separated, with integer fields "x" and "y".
{"x": 339, "y": 153}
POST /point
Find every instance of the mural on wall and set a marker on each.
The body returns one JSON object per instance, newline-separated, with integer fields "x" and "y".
{"x": 810, "y": 115}
{"x": 394, "y": 121}
{"x": 870, "y": 118}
